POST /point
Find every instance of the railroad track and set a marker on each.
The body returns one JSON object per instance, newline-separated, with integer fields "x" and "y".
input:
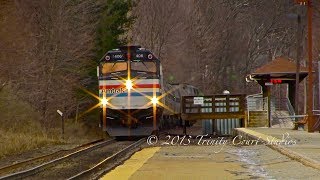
{"x": 72, "y": 153}
{"x": 109, "y": 151}
{"x": 99, "y": 169}
{"x": 22, "y": 164}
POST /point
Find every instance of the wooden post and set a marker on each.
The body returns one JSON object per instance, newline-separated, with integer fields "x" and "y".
{"x": 62, "y": 123}
{"x": 269, "y": 105}
{"x": 296, "y": 102}
{"x": 62, "y": 126}
{"x": 319, "y": 84}
{"x": 266, "y": 93}
{"x": 311, "y": 121}
{"x": 292, "y": 94}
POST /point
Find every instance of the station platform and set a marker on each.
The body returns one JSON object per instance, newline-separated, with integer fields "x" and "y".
{"x": 299, "y": 145}
{"x": 295, "y": 160}
{"x": 173, "y": 162}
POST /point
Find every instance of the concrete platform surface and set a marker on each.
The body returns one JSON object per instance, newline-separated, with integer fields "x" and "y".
{"x": 211, "y": 162}
{"x": 296, "y": 144}
{"x": 178, "y": 162}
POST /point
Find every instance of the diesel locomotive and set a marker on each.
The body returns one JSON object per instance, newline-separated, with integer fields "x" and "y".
{"x": 133, "y": 97}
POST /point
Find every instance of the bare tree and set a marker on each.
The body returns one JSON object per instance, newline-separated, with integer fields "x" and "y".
{"x": 48, "y": 45}
{"x": 217, "y": 43}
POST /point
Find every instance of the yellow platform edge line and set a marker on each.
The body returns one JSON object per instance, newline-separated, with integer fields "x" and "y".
{"x": 131, "y": 165}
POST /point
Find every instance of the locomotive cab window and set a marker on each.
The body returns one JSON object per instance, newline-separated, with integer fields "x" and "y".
{"x": 146, "y": 66}
{"x": 112, "y": 67}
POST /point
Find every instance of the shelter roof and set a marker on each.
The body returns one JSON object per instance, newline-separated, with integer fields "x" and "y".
{"x": 280, "y": 65}
{"x": 280, "y": 68}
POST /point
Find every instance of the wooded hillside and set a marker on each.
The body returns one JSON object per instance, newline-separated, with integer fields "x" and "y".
{"x": 215, "y": 44}
{"x": 49, "y": 49}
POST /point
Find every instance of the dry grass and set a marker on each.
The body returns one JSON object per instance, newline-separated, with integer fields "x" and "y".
{"x": 81, "y": 133}
{"x": 20, "y": 129}
{"x": 14, "y": 143}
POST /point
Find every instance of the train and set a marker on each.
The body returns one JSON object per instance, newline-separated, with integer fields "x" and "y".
{"x": 171, "y": 117}
{"x": 134, "y": 100}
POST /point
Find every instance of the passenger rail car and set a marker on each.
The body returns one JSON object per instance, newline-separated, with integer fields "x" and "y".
{"x": 130, "y": 84}
{"x": 174, "y": 92}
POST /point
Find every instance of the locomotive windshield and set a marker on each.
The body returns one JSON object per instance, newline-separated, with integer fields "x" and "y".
{"x": 139, "y": 62}
{"x": 111, "y": 67}
{"x": 147, "y": 66}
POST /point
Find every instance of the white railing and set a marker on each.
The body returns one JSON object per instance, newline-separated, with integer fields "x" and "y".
{"x": 256, "y": 102}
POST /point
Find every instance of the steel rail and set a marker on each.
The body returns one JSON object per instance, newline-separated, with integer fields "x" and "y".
{"x": 85, "y": 174}
{"x": 22, "y": 163}
{"x": 36, "y": 169}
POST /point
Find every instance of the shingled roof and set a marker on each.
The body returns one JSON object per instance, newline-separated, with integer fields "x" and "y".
{"x": 280, "y": 65}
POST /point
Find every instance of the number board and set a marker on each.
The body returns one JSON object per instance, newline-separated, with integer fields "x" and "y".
{"x": 138, "y": 56}
{"x": 117, "y": 56}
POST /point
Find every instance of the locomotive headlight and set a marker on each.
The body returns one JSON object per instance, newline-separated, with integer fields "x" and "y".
{"x": 129, "y": 84}
{"x": 104, "y": 101}
{"x": 154, "y": 100}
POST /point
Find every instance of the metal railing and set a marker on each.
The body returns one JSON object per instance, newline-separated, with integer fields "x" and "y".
{"x": 282, "y": 105}
{"x": 256, "y": 102}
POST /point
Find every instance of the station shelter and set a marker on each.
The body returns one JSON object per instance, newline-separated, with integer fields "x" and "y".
{"x": 280, "y": 71}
